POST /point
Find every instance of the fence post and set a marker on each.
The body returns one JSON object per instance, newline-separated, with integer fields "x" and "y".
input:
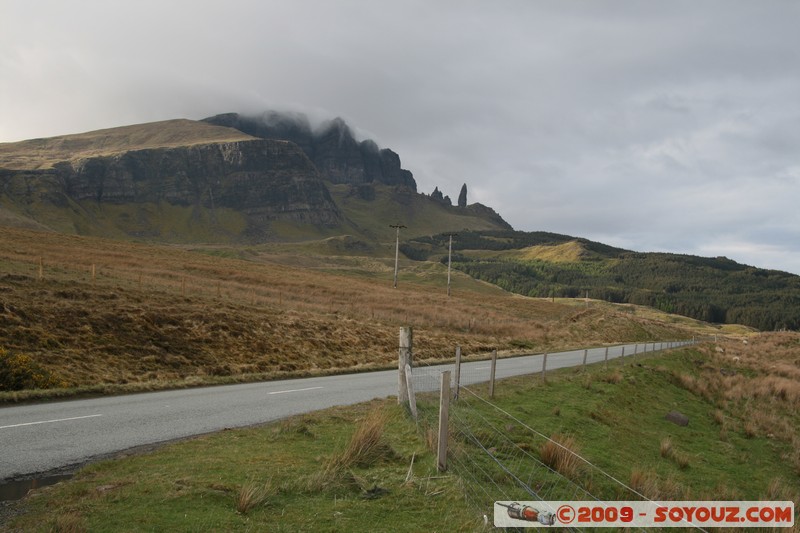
{"x": 491, "y": 373}
{"x": 41, "y": 269}
{"x": 444, "y": 416}
{"x": 404, "y": 359}
{"x": 412, "y": 399}
{"x": 457, "y": 376}
{"x": 94, "y": 274}
{"x": 606, "y": 358}
{"x": 585, "y": 354}
{"x": 622, "y": 357}
{"x": 544, "y": 368}
{"x": 635, "y": 351}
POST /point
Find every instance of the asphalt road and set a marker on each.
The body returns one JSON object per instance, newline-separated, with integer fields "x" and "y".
{"x": 47, "y": 437}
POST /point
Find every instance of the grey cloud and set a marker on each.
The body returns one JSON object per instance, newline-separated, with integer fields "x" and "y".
{"x": 650, "y": 125}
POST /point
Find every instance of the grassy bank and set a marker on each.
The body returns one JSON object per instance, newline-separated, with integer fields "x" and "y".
{"x": 350, "y": 469}
{"x": 309, "y": 473}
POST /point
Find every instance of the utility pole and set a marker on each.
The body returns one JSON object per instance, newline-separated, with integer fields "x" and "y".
{"x": 396, "y": 250}
{"x": 449, "y": 261}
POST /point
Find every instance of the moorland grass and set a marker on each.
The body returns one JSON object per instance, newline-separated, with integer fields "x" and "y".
{"x": 104, "y": 316}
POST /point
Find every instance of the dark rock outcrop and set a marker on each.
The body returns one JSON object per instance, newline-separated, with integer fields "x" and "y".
{"x": 332, "y": 148}
{"x": 462, "y": 196}
{"x": 264, "y": 179}
{"x": 437, "y": 196}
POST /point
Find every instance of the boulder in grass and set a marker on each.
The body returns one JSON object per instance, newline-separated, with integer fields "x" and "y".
{"x": 677, "y": 418}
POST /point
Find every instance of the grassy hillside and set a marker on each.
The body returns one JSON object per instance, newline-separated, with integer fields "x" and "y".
{"x": 38, "y": 154}
{"x": 540, "y": 264}
{"x": 391, "y": 205}
{"x": 154, "y": 316}
{"x": 339, "y": 469}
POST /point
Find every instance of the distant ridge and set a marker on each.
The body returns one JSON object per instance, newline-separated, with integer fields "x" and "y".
{"x": 38, "y": 154}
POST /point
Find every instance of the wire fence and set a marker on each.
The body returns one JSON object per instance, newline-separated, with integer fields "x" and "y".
{"x": 500, "y": 457}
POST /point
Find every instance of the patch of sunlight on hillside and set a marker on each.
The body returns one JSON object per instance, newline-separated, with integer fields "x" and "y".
{"x": 569, "y": 252}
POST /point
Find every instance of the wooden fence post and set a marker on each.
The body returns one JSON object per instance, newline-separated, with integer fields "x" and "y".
{"x": 606, "y": 358}
{"x": 41, "y": 269}
{"x": 444, "y": 416}
{"x": 491, "y": 373}
{"x": 404, "y": 359}
{"x": 622, "y": 357}
{"x": 585, "y": 354}
{"x": 544, "y": 368}
{"x": 94, "y": 273}
{"x": 412, "y": 399}
{"x": 457, "y": 375}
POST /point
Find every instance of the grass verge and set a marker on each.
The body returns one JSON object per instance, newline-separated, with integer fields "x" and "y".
{"x": 369, "y": 468}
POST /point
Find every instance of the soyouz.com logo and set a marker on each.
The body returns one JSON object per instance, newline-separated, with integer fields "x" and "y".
{"x": 703, "y": 514}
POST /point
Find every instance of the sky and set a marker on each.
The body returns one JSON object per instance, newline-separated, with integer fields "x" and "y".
{"x": 650, "y": 125}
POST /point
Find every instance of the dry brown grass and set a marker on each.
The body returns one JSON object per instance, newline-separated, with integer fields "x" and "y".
{"x": 252, "y": 495}
{"x": 68, "y": 522}
{"x": 645, "y": 482}
{"x": 754, "y": 387}
{"x": 561, "y": 454}
{"x": 157, "y": 314}
{"x": 648, "y": 484}
{"x": 613, "y": 378}
{"x": 666, "y": 449}
{"x": 367, "y": 446}
{"x": 750, "y": 428}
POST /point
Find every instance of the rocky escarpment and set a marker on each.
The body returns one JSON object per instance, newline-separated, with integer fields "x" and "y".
{"x": 332, "y": 148}
{"x": 263, "y": 179}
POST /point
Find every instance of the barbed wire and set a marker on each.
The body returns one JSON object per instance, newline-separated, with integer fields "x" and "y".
{"x": 496, "y": 455}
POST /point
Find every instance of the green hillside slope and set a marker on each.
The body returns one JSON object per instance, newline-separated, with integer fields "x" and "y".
{"x": 549, "y": 265}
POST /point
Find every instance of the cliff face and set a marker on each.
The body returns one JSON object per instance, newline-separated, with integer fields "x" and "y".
{"x": 333, "y": 148}
{"x": 237, "y": 179}
{"x": 263, "y": 179}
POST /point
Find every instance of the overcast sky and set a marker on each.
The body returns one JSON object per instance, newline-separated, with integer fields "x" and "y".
{"x": 651, "y": 125}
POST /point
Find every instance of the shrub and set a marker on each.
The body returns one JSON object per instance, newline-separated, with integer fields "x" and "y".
{"x": 20, "y": 371}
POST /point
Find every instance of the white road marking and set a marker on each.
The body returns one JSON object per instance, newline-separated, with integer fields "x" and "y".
{"x": 49, "y": 421}
{"x": 294, "y": 390}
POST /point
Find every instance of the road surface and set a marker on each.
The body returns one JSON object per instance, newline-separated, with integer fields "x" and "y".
{"x": 55, "y": 436}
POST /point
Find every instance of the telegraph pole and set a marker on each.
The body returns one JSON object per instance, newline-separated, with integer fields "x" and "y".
{"x": 449, "y": 261}
{"x": 396, "y": 250}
